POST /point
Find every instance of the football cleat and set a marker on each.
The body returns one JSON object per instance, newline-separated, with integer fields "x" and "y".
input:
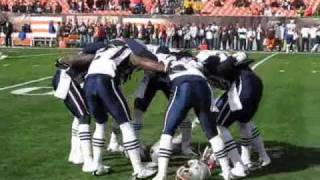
{"x": 239, "y": 170}
{"x": 144, "y": 173}
{"x": 87, "y": 167}
{"x": 227, "y": 176}
{"x": 265, "y": 161}
{"x": 101, "y": 170}
{"x": 115, "y": 147}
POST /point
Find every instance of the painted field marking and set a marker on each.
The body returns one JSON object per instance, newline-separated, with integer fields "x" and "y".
{"x": 25, "y": 83}
{"x": 263, "y": 61}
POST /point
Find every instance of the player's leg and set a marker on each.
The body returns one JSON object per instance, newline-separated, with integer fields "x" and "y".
{"x": 115, "y": 138}
{"x": 209, "y": 126}
{"x": 178, "y": 106}
{"x": 225, "y": 119}
{"x": 95, "y": 107}
{"x": 144, "y": 96}
{"x": 118, "y": 108}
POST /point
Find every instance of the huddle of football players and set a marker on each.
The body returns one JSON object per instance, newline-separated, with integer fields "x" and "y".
{"x": 90, "y": 86}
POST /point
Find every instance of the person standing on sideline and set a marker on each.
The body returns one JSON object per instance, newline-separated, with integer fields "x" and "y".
{"x": 305, "y": 38}
{"x": 7, "y": 30}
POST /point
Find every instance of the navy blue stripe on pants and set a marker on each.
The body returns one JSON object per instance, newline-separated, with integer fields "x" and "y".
{"x": 74, "y": 101}
{"x": 103, "y": 96}
{"x": 188, "y": 95}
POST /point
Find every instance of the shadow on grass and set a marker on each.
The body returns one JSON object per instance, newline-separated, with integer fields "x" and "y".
{"x": 288, "y": 158}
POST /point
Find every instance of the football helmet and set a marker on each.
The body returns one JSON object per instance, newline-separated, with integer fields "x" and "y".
{"x": 194, "y": 170}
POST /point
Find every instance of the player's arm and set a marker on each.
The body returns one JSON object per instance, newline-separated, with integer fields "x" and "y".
{"x": 147, "y": 64}
{"x": 79, "y": 61}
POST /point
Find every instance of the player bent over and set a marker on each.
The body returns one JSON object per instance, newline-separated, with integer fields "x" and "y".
{"x": 103, "y": 95}
{"x": 150, "y": 84}
{"x": 66, "y": 83}
{"x": 239, "y": 104}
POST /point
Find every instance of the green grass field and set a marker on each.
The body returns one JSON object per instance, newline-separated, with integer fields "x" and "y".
{"x": 35, "y": 130}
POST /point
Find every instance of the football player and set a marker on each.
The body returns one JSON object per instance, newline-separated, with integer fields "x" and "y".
{"x": 66, "y": 83}
{"x": 110, "y": 67}
{"x": 239, "y": 104}
{"x": 150, "y": 84}
{"x": 190, "y": 91}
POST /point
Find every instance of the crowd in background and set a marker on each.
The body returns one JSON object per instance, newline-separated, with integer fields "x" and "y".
{"x": 255, "y": 7}
{"x": 201, "y": 36}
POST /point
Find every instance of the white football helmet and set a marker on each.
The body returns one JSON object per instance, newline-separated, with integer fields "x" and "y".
{"x": 195, "y": 170}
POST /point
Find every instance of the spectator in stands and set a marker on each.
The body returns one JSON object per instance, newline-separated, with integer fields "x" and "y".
{"x": 8, "y": 30}
{"x": 37, "y": 7}
{"x": 305, "y": 32}
{"x": 218, "y": 3}
{"x": 58, "y": 8}
{"x": 267, "y": 11}
{"x": 4, "y": 6}
{"x": 83, "y": 32}
{"x": 286, "y": 4}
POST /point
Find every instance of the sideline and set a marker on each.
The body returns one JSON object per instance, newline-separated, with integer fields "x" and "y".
{"x": 263, "y": 61}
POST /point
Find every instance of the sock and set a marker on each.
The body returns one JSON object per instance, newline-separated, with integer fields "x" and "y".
{"x": 257, "y": 142}
{"x": 245, "y": 140}
{"x": 288, "y": 48}
{"x": 132, "y": 146}
{"x": 85, "y": 142}
{"x": 230, "y": 146}
{"x": 164, "y": 154}
{"x": 98, "y": 142}
{"x": 217, "y": 145}
{"x": 137, "y": 121}
{"x": 75, "y": 147}
{"x": 186, "y": 132}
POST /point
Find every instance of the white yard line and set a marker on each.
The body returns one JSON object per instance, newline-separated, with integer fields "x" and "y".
{"x": 263, "y": 61}
{"x": 25, "y": 83}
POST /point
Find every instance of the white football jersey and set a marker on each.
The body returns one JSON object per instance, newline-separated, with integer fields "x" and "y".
{"x": 204, "y": 54}
{"x": 291, "y": 28}
{"x": 190, "y": 66}
{"x": 107, "y": 60}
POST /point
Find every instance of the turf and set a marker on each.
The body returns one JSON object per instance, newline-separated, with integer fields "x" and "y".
{"x": 35, "y": 130}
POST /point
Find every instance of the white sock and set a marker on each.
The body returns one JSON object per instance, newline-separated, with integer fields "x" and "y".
{"x": 245, "y": 139}
{"x": 116, "y": 133}
{"x": 288, "y": 48}
{"x": 230, "y": 146}
{"x": 85, "y": 142}
{"x": 218, "y": 147}
{"x": 131, "y": 145}
{"x": 137, "y": 121}
{"x": 164, "y": 154}
{"x": 75, "y": 146}
{"x": 257, "y": 142}
{"x": 98, "y": 142}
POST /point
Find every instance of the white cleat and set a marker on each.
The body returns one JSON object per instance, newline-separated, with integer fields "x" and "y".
{"x": 144, "y": 173}
{"x": 177, "y": 139}
{"x": 2, "y": 57}
{"x": 152, "y": 165}
{"x": 226, "y": 176}
{"x": 101, "y": 170}
{"x": 75, "y": 158}
{"x": 158, "y": 177}
{"x": 115, "y": 147}
{"x": 239, "y": 170}
{"x": 265, "y": 161}
{"x": 87, "y": 167}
